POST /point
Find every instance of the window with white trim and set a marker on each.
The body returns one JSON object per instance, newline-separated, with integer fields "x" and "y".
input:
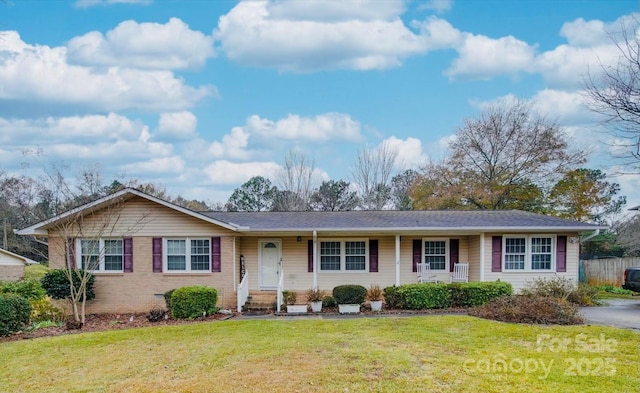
{"x": 100, "y": 255}
{"x": 343, "y": 255}
{"x": 436, "y": 253}
{"x": 187, "y": 255}
{"x": 528, "y": 252}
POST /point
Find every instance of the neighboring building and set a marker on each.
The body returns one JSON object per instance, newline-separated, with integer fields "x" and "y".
{"x": 12, "y": 265}
{"x": 149, "y": 246}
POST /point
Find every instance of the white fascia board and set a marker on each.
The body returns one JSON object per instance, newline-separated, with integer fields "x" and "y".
{"x": 38, "y": 229}
{"x": 434, "y": 229}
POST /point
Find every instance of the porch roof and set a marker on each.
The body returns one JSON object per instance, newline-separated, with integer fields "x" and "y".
{"x": 398, "y": 221}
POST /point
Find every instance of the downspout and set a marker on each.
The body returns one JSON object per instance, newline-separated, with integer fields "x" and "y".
{"x": 315, "y": 260}
{"x": 482, "y": 260}
{"x": 397, "y": 260}
{"x": 594, "y": 234}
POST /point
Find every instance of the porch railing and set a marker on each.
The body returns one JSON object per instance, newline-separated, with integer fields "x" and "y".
{"x": 280, "y": 288}
{"x": 243, "y": 291}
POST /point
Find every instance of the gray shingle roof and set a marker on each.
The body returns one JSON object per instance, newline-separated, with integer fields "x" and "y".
{"x": 390, "y": 220}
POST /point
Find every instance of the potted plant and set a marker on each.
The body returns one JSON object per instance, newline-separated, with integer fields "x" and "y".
{"x": 375, "y": 296}
{"x": 314, "y": 297}
{"x": 289, "y": 298}
{"x": 349, "y": 298}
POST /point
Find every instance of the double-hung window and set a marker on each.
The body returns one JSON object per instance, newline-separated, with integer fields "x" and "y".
{"x": 436, "y": 253}
{"x": 528, "y": 252}
{"x": 187, "y": 255}
{"x": 100, "y": 255}
{"x": 343, "y": 255}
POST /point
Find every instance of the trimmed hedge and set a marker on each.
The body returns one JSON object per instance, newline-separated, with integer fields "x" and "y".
{"x": 436, "y": 295}
{"x": 14, "y": 313}
{"x": 193, "y": 302}
{"x": 349, "y": 294}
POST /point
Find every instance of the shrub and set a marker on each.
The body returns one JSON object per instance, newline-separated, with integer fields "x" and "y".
{"x": 393, "y": 298}
{"x": 561, "y": 288}
{"x": 193, "y": 302}
{"x": 315, "y": 295}
{"x": 14, "y": 313}
{"x": 35, "y": 272}
{"x": 44, "y": 310}
{"x": 156, "y": 315}
{"x": 477, "y": 293}
{"x": 328, "y": 301}
{"x": 374, "y": 293}
{"x": 289, "y": 297}
{"x": 529, "y": 309}
{"x": 30, "y": 290}
{"x": 167, "y": 299}
{"x": 349, "y": 294}
{"x": 56, "y": 283}
{"x": 425, "y": 296}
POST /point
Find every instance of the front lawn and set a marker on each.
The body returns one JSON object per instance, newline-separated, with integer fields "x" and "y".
{"x": 416, "y": 354}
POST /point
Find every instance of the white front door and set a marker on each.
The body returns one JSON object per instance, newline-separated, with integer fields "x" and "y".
{"x": 269, "y": 263}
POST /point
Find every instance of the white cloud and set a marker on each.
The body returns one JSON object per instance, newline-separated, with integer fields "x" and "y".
{"x": 233, "y": 145}
{"x": 481, "y": 57}
{"x": 582, "y": 33}
{"x": 226, "y": 172}
{"x": 439, "y": 34}
{"x": 180, "y": 125}
{"x": 143, "y": 45}
{"x": 41, "y": 73}
{"x": 304, "y": 36}
{"x": 439, "y": 6}
{"x": 74, "y": 128}
{"x": 93, "y": 3}
{"x": 173, "y": 164}
{"x": 321, "y": 128}
{"x": 410, "y": 153}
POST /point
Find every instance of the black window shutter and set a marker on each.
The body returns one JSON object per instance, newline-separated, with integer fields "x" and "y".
{"x": 454, "y": 253}
{"x": 417, "y": 253}
{"x": 373, "y": 256}
{"x": 157, "y": 255}
{"x": 216, "y": 255}
{"x": 496, "y": 254}
{"x": 561, "y": 254}
{"x": 310, "y": 256}
{"x": 127, "y": 245}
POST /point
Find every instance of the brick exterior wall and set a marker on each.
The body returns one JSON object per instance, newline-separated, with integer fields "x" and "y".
{"x": 11, "y": 272}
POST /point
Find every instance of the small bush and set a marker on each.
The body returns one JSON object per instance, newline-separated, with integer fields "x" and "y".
{"x": 156, "y": 315}
{"x": 289, "y": 297}
{"x": 44, "y": 310}
{"x": 30, "y": 290}
{"x": 315, "y": 295}
{"x": 393, "y": 298}
{"x": 328, "y": 301}
{"x": 611, "y": 289}
{"x": 529, "y": 309}
{"x": 562, "y": 288}
{"x": 477, "y": 293}
{"x": 167, "y": 299}
{"x": 193, "y": 302}
{"x": 425, "y": 296}
{"x": 35, "y": 272}
{"x": 56, "y": 283}
{"x": 349, "y": 294}
{"x": 14, "y": 313}
{"x": 375, "y": 293}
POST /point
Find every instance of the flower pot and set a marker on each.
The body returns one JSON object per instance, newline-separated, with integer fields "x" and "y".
{"x": 376, "y": 305}
{"x": 296, "y": 308}
{"x": 316, "y": 306}
{"x": 349, "y": 308}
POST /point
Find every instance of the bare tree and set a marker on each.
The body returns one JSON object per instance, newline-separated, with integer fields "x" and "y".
{"x": 614, "y": 92}
{"x": 628, "y": 235}
{"x": 372, "y": 175}
{"x": 296, "y": 182}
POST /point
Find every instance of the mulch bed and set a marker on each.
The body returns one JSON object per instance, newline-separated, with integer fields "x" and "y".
{"x": 103, "y": 322}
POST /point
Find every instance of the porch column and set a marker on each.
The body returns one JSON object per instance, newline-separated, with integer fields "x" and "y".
{"x": 233, "y": 258}
{"x": 397, "y": 260}
{"x": 482, "y": 257}
{"x": 315, "y": 260}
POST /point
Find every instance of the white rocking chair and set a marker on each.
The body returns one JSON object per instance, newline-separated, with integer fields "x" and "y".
{"x": 424, "y": 273}
{"x": 460, "y": 272}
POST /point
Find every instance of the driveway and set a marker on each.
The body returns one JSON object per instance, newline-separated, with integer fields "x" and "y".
{"x": 622, "y": 313}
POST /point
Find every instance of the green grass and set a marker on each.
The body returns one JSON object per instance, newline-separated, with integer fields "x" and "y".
{"x": 417, "y": 354}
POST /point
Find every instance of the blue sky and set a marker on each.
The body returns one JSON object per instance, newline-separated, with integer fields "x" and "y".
{"x": 201, "y": 95}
